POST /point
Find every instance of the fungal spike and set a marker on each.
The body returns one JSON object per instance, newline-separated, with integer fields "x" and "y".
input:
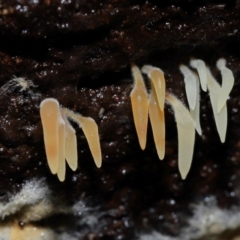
{"x": 90, "y": 130}
{"x": 139, "y": 100}
{"x": 49, "y": 112}
{"x": 71, "y": 147}
{"x": 62, "y": 140}
{"x": 186, "y": 134}
{"x": 158, "y": 81}
{"x": 221, "y": 117}
{"x": 202, "y": 72}
{"x": 196, "y": 112}
{"x": 157, "y": 120}
{"x": 227, "y": 83}
{"x": 190, "y": 85}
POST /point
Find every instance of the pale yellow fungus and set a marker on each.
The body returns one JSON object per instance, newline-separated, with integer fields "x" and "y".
{"x": 202, "y": 72}
{"x": 71, "y": 147}
{"x": 227, "y": 83}
{"x": 61, "y": 140}
{"x": 186, "y": 134}
{"x": 196, "y": 112}
{"x": 221, "y": 117}
{"x": 90, "y": 130}
{"x": 139, "y": 100}
{"x": 156, "y": 75}
{"x": 190, "y": 85}
{"x": 50, "y": 114}
{"x": 157, "y": 120}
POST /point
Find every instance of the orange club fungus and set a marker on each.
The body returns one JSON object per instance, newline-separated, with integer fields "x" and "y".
{"x": 60, "y": 137}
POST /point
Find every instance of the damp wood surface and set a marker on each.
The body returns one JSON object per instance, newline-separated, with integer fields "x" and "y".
{"x": 86, "y": 68}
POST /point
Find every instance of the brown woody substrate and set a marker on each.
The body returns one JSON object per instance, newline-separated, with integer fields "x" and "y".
{"x": 79, "y": 53}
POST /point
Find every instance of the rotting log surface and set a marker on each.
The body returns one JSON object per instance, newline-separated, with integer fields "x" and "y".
{"x": 79, "y": 53}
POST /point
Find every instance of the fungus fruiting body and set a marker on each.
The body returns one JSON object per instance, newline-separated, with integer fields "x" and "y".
{"x": 156, "y": 116}
{"x": 139, "y": 99}
{"x": 156, "y": 106}
{"x": 187, "y": 120}
{"x": 60, "y": 138}
{"x": 201, "y": 69}
{"x": 227, "y": 83}
{"x": 186, "y": 134}
{"x": 221, "y": 117}
{"x": 71, "y": 147}
{"x": 50, "y": 115}
{"x": 190, "y": 85}
{"x": 192, "y": 91}
{"x": 90, "y": 130}
{"x": 157, "y": 78}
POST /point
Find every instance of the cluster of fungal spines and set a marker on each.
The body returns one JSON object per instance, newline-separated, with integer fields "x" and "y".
{"x": 187, "y": 120}
{"x": 60, "y": 137}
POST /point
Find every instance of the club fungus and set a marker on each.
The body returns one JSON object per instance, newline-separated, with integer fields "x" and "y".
{"x": 186, "y": 134}
{"x": 139, "y": 100}
{"x": 221, "y": 117}
{"x": 227, "y": 83}
{"x": 60, "y": 138}
{"x": 156, "y": 106}
{"x": 156, "y": 75}
{"x": 192, "y": 86}
{"x": 157, "y": 120}
{"x": 50, "y": 116}
{"x": 90, "y": 130}
{"x": 201, "y": 69}
{"x": 187, "y": 120}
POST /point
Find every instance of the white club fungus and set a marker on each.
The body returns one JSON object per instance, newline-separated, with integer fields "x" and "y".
{"x": 227, "y": 83}
{"x": 190, "y": 85}
{"x": 221, "y": 117}
{"x": 202, "y": 72}
{"x": 186, "y": 134}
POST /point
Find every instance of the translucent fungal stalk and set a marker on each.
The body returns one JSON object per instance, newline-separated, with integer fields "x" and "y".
{"x": 156, "y": 75}
{"x": 71, "y": 146}
{"x": 50, "y": 114}
{"x": 196, "y": 112}
{"x": 227, "y": 83}
{"x": 61, "y": 140}
{"x": 186, "y": 134}
{"x": 190, "y": 85}
{"x": 139, "y": 100}
{"x": 221, "y": 117}
{"x": 202, "y": 72}
{"x": 157, "y": 120}
{"x": 90, "y": 130}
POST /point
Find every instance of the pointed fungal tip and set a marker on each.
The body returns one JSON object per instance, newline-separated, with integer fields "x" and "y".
{"x": 139, "y": 102}
{"x": 91, "y": 133}
{"x": 183, "y": 176}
